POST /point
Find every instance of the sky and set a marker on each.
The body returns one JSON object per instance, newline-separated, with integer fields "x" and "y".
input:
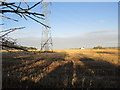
{"x": 73, "y": 25}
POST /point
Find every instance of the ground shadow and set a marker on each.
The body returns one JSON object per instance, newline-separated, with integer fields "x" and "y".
{"x": 13, "y": 78}
{"x": 60, "y": 77}
{"x": 92, "y": 74}
{"x": 97, "y": 74}
{"x": 114, "y": 53}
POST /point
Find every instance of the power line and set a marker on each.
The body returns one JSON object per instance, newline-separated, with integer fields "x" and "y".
{"x": 46, "y": 40}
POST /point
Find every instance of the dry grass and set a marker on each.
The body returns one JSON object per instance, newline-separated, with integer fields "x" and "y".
{"x": 87, "y": 68}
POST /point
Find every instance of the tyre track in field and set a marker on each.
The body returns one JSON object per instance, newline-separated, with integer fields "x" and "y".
{"x": 28, "y": 63}
{"x": 79, "y": 69}
{"x": 73, "y": 57}
{"x": 35, "y": 67}
{"x": 44, "y": 71}
{"x": 22, "y": 65}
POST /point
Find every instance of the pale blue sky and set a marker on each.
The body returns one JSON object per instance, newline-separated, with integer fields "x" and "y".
{"x": 76, "y": 18}
{"x": 70, "y": 20}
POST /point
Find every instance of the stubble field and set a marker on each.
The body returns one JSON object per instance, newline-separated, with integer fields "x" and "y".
{"x": 88, "y": 68}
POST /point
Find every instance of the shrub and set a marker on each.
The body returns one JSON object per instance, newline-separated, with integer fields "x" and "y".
{"x": 98, "y": 47}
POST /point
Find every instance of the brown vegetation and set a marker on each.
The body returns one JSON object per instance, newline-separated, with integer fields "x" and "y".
{"x": 62, "y": 69}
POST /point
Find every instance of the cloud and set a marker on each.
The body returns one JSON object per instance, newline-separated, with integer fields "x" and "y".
{"x": 102, "y": 32}
{"x": 24, "y": 33}
{"x": 29, "y": 41}
{"x": 106, "y": 38}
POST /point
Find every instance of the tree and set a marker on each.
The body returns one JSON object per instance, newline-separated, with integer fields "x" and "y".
{"x": 98, "y": 47}
{"x": 28, "y": 48}
{"x": 22, "y": 12}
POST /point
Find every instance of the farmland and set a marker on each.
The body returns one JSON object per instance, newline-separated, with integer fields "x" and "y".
{"x": 72, "y": 68}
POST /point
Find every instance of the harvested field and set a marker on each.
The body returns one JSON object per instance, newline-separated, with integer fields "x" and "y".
{"x": 88, "y": 68}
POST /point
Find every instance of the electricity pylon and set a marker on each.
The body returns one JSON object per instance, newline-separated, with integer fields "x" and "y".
{"x": 46, "y": 40}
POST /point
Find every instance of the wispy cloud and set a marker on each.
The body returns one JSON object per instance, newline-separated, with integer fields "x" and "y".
{"x": 29, "y": 41}
{"x": 102, "y": 32}
{"x": 24, "y": 33}
{"x": 88, "y": 40}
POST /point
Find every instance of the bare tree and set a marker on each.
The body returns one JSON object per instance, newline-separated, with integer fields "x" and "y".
{"x": 22, "y": 12}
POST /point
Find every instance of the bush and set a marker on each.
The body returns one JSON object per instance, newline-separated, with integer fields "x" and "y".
{"x": 28, "y": 48}
{"x": 98, "y": 47}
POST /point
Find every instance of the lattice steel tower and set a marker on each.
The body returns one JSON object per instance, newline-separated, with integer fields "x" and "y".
{"x": 46, "y": 40}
